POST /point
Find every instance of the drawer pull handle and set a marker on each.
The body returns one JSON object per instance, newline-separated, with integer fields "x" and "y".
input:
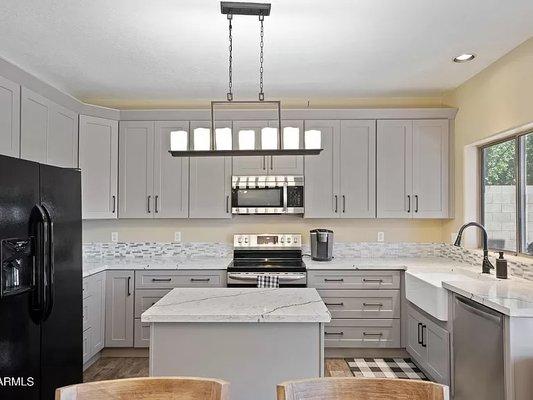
{"x": 372, "y": 280}
{"x": 335, "y": 304}
{"x": 334, "y": 333}
{"x": 373, "y": 304}
{"x": 161, "y": 279}
{"x": 200, "y": 279}
{"x": 373, "y": 334}
{"x": 333, "y": 280}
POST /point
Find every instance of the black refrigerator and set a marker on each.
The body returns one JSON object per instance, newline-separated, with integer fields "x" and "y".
{"x": 40, "y": 280}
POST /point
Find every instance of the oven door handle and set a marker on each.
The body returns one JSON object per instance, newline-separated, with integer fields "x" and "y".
{"x": 286, "y": 278}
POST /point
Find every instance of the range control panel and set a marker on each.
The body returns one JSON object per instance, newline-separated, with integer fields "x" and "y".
{"x": 284, "y": 240}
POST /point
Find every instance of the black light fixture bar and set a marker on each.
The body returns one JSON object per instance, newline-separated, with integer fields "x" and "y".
{"x": 242, "y": 8}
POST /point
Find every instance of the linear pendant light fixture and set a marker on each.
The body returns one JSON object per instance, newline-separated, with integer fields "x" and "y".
{"x": 261, "y": 10}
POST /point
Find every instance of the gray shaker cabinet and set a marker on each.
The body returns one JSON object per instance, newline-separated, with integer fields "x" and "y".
{"x": 210, "y": 182}
{"x": 119, "y": 309}
{"x": 9, "y": 118}
{"x": 63, "y": 137}
{"x": 93, "y": 315}
{"x": 99, "y": 167}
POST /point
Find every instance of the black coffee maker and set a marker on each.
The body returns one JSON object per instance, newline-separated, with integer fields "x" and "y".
{"x": 321, "y": 244}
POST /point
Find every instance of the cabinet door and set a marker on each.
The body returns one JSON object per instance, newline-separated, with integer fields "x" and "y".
{"x": 62, "y": 142}
{"x": 9, "y": 118}
{"x": 249, "y": 131}
{"x": 35, "y": 111}
{"x": 136, "y": 166}
{"x": 394, "y": 169}
{"x": 287, "y": 165}
{"x": 437, "y": 341}
{"x": 321, "y": 197}
{"x": 414, "y": 338}
{"x": 119, "y": 309}
{"x": 86, "y": 345}
{"x": 430, "y": 168}
{"x": 357, "y": 151}
{"x": 209, "y": 182}
{"x": 171, "y": 174}
{"x": 99, "y": 167}
{"x": 97, "y": 312}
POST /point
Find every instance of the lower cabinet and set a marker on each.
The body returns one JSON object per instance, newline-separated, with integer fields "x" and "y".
{"x": 429, "y": 345}
{"x": 93, "y": 315}
{"x": 119, "y": 309}
{"x": 370, "y": 333}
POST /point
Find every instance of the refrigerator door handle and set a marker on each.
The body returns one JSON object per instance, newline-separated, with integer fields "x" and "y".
{"x": 50, "y": 272}
{"x": 39, "y": 230}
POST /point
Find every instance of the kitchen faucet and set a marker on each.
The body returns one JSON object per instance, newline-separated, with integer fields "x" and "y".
{"x": 486, "y": 265}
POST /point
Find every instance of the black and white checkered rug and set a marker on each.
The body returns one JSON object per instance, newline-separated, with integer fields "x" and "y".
{"x": 394, "y": 368}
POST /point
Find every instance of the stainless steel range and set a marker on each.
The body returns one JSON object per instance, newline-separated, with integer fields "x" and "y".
{"x": 267, "y": 254}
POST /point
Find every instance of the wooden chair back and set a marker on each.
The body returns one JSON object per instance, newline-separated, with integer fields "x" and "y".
{"x": 361, "y": 389}
{"x": 163, "y": 388}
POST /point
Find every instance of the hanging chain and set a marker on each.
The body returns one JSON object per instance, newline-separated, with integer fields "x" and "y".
{"x": 230, "y": 69}
{"x": 261, "y": 45}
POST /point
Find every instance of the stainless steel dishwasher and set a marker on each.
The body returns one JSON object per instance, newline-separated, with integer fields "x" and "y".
{"x": 478, "y": 364}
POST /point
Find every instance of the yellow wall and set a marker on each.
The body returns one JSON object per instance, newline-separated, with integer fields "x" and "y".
{"x": 497, "y": 99}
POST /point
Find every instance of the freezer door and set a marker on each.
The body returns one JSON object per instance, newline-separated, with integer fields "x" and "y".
{"x": 19, "y": 334}
{"x": 61, "y": 353}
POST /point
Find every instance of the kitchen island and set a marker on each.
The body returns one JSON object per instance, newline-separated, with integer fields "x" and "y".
{"x": 253, "y": 338}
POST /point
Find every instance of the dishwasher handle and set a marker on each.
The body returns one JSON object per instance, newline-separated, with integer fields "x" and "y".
{"x": 479, "y": 309}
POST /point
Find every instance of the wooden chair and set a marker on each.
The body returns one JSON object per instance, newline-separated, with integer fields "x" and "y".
{"x": 163, "y": 388}
{"x": 361, "y": 389}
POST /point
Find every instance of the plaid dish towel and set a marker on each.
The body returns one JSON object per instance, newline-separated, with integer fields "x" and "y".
{"x": 267, "y": 281}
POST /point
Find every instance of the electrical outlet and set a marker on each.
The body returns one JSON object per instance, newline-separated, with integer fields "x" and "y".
{"x": 381, "y": 236}
{"x": 177, "y": 237}
{"x": 114, "y": 237}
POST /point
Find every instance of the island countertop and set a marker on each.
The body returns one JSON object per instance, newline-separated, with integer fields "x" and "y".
{"x": 239, "y": 305}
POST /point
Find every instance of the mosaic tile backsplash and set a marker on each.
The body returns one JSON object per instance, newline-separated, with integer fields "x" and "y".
{"x": 518, "y": 266}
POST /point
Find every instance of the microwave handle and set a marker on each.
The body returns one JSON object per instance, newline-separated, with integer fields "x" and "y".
{"x": 285, "y": 198}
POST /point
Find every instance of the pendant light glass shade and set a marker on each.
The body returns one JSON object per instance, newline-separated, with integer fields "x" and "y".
{"x": 179, "y": 140}
{"x": 291, "y": 138}
{"x": 246, "y": 139}
{"x": 223, "y": 139}
{"x": 202, "y": 139}
{"x": 269, "y": 138}
{"x": 313, "y": 139}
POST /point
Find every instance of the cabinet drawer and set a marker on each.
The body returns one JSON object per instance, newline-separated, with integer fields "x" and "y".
{"x": 372, "y": 333}
{"x": 142, "y": 334}
{"x": 85, "y": 288}
{"x": 168, "y": 280}
{"x": 85, "y": 313}
{"x": 146, "y": 298}
{"x": 362, "y": 303}
{"x": 354, "y": 279}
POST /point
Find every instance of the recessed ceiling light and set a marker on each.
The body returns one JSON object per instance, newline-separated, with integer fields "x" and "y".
{"x": 464, "y": 58}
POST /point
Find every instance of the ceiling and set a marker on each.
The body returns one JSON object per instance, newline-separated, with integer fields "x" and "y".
{"x": 116, "y": 51}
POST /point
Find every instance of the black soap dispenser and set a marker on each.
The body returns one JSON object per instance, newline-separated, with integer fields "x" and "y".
{"x": 501, "y": 267}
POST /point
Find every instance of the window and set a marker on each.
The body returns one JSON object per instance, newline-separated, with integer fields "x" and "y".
{"x": 507, "y": 194}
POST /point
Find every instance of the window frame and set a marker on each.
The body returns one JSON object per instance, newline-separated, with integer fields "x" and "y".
{"x": 520, "y": 199}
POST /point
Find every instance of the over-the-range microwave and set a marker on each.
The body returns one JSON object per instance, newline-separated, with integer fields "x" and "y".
{"x": 267, "y": 194}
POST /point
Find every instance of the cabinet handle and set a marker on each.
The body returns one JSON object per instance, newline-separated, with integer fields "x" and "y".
{"x": 372, "y": 304}
{"x": 161, "y": 279}
{"x": 333, "y": 280}
{"x": 419, "y": 334}
{"x": 263, "y": 163}
{"x": 372, "y": 280}
{"x": 156, "y": 201}
{"x": 271, "y": 163}
{"x": 200, "y": 279}
{"x": 335, "y": 304}
{"x": 424, "y": 344}
{"x": 334, "y": 333}
{"x": 416, "y": 203}
{"x": 336, "y": 198}
{"x": 343, "y": 203}
{"x": 129, "y": 282}
{"x": 114, "y": 204}
{"x": 227, "y": 204}
{"x": 373, "y": 334}
{"x": 408, "y": 203}
{"x": 148, "y": 207}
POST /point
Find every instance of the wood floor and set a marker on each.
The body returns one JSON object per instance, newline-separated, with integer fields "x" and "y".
{"x": 129, "y": 367}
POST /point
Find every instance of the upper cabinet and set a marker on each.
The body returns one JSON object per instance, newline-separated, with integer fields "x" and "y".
{"x": 49, "y": 132}
{"x": 340, "y": 182}
{"x": 209, "y": 178}
{"x": 99, "y": 167}
{"x": 9, "y": 118}
{"x": 264, "y": 135}
{"x": 153, "y": 184}
{"x": 413, "y": 169}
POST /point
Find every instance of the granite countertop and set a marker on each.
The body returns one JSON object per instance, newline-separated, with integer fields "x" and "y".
{"x": 391, "y": 263}
{"x": 239, "y": 305}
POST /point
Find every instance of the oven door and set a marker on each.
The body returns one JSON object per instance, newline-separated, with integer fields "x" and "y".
{"x": 266, "y": 200}
{"x": 249, "y": 279}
